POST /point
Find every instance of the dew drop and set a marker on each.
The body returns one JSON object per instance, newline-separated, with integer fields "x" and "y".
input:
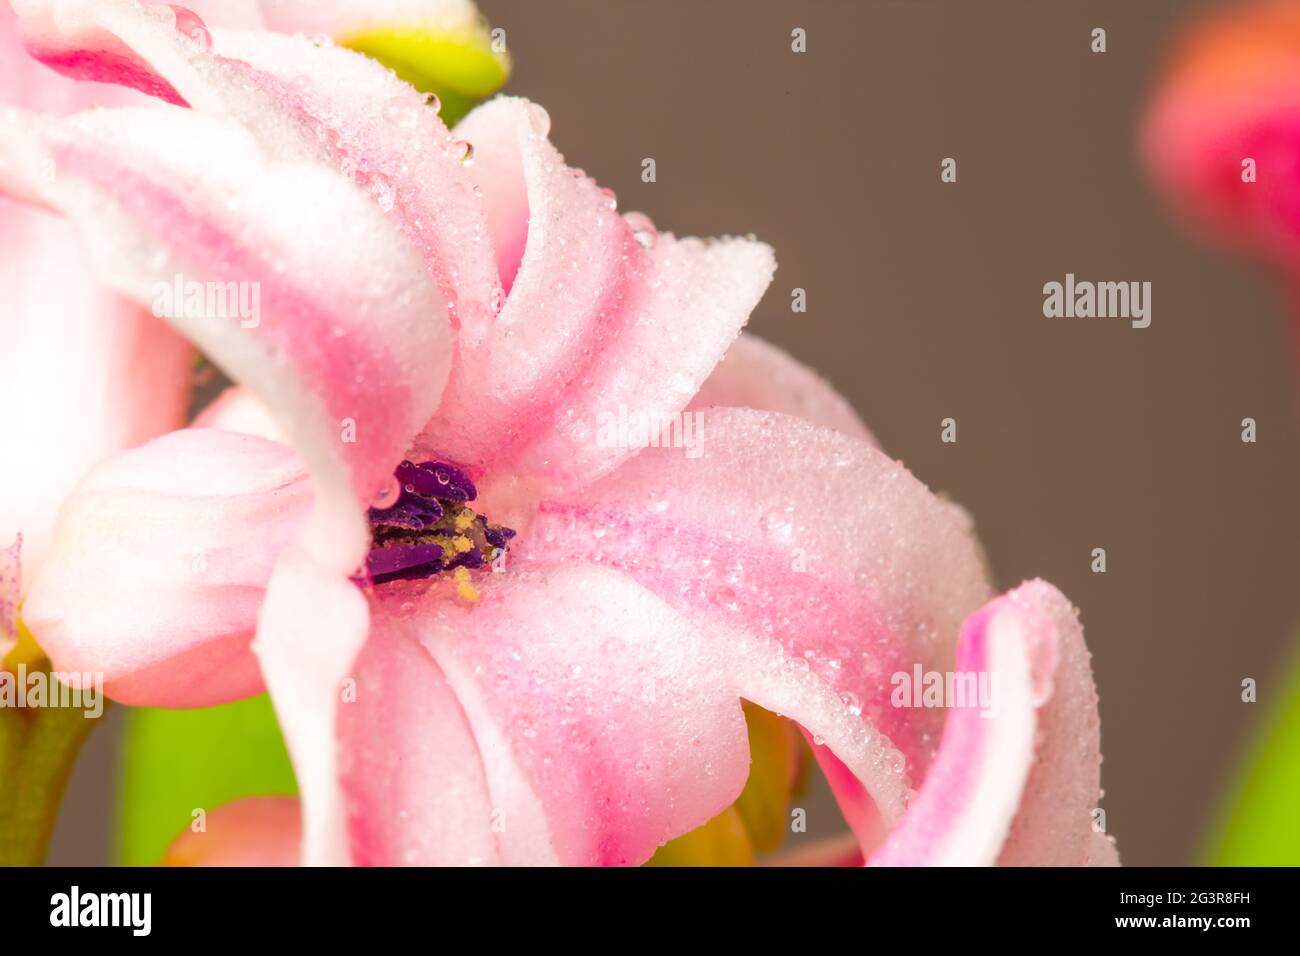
{"x": 643, "y": 229}
{"x": 611, "y": 198}
{"x": 388, "y": 496}
{"x": 466, "y": 149}
{"x": 384, "y": 194}
{"x": 431, "y": 100}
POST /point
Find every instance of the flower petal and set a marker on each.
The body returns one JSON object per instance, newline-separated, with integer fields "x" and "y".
{"x": 756, "y": 374}
{"x": 237, "y": 410}
{"x": 356, "y": 16}
{"x": 443, "y": 46}
{"x": 302, "y": 101}
{"x": 1230, "y": 95}
{"x": 254, "y": 831}
{"x": 839, "y": 564}
{"x": 415, "y": 787}
{"x": 11, "y": 567}
{"x": 152, "y": 188}
{"x": 159, "y": 564}
{"x": 605, "y": 725}
{"x": 1016, "y": 775}
{"x": 83, "y": 373}
{"x": 1055, "y": 824}
{"x": 592, "y": 321}
{"x": 313, "y": 625}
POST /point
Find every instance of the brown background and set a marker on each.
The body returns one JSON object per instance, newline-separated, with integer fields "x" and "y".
{"x": 925, "y": 301}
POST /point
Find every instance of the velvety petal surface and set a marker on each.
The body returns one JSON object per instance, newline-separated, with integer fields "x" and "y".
{"x": 1016, "y": 776}
{"x": 160, "y": 560}
{"x": 412, "y": 779}
{"x": 313, "y": 624}
{"x": 254, "y": 831}
{"x": 83, "y": 373}
{"x": 302, "y": 100}
{"x": 598, "y": 316}
{"x": 171, "y": 199}
{"x": 830, "y": 556}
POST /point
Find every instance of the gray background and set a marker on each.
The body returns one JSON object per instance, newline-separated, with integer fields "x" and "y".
{"x": 924, "y": 301}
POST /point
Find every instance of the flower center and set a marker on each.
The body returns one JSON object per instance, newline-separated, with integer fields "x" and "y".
{"x": 430, "y": 527}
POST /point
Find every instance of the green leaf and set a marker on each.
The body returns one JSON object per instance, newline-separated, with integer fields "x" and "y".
{"x": 179, "y": 761}
{"x": 1260, "y": 825}
{"x": 460, "y": 67}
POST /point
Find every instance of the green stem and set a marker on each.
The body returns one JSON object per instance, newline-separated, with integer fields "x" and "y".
{"x": 38, "y": 748}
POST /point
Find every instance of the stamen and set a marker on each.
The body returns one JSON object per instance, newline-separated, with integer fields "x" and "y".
{"x": 430, "y": 528}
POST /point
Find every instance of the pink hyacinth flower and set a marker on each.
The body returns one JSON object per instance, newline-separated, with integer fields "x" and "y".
{"x": 84, "y": 372}
{"x": 1221, "y": 131}
{"x": 491, "y": 634}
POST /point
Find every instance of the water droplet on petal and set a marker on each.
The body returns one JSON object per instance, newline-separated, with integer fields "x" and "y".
{"x": 643, "y": 229}
{"x": 389, "y": 495}
{"x": 851, "y": 703}
{"x": 611, "y": 198}
{"x": 190, "y": 24}
{"x": 466, "y": 149}
{"x": 431, "y": 100}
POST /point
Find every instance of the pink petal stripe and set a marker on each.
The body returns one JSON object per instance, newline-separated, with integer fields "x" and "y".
{"x": 816, "y": 545}
{"x": 963, "y": 810}
{"x": 564, "y": 256}
{"x": 1015, "y": 755}
{"x": 606, "y": 726}
{"x": 415, "y": 786}
{"x": 381, "y": 134}
{"x": 159, "y": 564}
{"x": 1054, "y": 825}
{"x": 593, "y": 321}
{"x": 302, "y": 101}
{"x": 335, "y": 318}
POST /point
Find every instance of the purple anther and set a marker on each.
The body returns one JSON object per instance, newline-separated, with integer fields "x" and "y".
{"x": 396, "y": 561}
{"x": 411, "y": 513}
{"x": 436, "y": 479}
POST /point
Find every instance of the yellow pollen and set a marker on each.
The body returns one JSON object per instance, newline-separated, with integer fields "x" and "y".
{"x": 465, "y": 590}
